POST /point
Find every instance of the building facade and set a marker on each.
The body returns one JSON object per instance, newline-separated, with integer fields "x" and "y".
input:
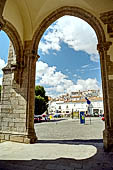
{"x": 66, "y": 107}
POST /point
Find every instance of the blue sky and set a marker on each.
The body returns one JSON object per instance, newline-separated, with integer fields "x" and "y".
{"x": 68, "y": 60}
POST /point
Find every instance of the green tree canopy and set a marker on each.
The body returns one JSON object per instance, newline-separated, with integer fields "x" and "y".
{"x": 39, "y": 90}
{"x": 41, "y": 101}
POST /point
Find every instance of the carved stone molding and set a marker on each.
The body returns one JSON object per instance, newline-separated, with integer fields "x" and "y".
{"x": 29, "y": 53}
{"x": 2, "y": 23}
{"x": 104, "y": 46}
{"x": 107, "y": 18}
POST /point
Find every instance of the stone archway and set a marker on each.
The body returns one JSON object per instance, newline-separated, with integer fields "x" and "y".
{"x": 103, "y": 47}
{"x": 17, "y": 108}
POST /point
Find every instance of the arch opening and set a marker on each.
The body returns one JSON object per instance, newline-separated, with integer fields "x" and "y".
{"x": 49, "y": 37}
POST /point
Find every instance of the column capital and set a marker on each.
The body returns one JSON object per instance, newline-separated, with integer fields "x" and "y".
{"x": 107, "y": 18}
{"x": 104, "y": 46}
{"x": 28, "y": 51}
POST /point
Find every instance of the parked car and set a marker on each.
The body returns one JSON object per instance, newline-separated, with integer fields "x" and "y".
{"x": 46, "y": 119}
{"x": 37, "y": 118}
{"x": 57, "y": 115}
{"x": 96, "y": 114}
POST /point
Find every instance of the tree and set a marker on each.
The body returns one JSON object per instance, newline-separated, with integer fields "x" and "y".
{"x": 41, "y": 101}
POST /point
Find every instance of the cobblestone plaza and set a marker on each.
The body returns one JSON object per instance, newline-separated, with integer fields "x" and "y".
{"x": 70, "y": 129}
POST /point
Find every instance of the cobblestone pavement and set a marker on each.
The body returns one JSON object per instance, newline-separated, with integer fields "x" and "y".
{"x": 63, "y": 151}
{"x": 71, "y": 129}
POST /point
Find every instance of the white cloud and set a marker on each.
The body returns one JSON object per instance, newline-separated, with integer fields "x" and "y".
{"x": 84, "y": 66}
{"x": 94, "y": 57}
{"x": 96, "y": 68}
{"x": 75, "y": 32}
{"x": 75, "y": 75}
{"x": 83, "y": 85}
{"x": 57, "y": 83}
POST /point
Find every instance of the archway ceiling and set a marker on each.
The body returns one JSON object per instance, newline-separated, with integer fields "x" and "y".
{"x": 26, "y": 15}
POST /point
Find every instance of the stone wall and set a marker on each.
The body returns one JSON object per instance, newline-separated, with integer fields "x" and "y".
{"x": 14, "y": 112}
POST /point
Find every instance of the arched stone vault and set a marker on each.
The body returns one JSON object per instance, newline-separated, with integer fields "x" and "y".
{"x": 17, "y": 108}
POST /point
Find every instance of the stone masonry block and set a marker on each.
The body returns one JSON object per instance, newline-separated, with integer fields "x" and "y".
{"x": 6, "y": 110}
{"x": 6, "y": 95}
{"x": 8, "y": 115}
{"x": 19, "y": 111}
{"x": 14, "y": 102}
{"x": 5, "y": 123}
{"x": 19, "y": 120}
{"x": 21, "y": 103}
{"x": 11, "y": 124}
{"x": 17, "y": 138}
{"x": 6, "y": 106}
{"x": 7, "y": 87}
{"x": 2, "y": 136}
{"x": 16, "y": 115}
{"x": 6, "y": 129}
{"x": 23, "y": 115}
{"x": 17, "y": 108}
{"x": 7, "y": 119}
{"x": 21, "y": 129}
{"x": 6, "y": 102}
{"x": 7, "y": 83}
{"x": 13, "y": 94}
{"x": 27, "y": 140}
{"x": 7, "y": 137}
{"x": 7, "y": 77}
{"x": 17, "y": 124}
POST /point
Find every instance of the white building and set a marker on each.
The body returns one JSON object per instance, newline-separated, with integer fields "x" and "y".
{"x": 66, "y": 107}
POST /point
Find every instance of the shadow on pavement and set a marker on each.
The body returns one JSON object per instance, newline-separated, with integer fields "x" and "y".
{"x": 100, "y": 161}
{"x": 73, "y": 142}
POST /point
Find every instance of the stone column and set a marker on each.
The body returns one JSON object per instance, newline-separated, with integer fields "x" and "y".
{"x": 107, "y": 76}
{"x": 30, "y": 59}
{"x": 106, "y": 68}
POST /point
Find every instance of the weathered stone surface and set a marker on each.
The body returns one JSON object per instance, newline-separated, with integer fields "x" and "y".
{"x": 17, "y": 138}
{"x": 2, "y": 3}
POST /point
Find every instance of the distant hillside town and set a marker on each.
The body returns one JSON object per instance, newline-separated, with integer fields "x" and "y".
{"x": 76, "y": 102}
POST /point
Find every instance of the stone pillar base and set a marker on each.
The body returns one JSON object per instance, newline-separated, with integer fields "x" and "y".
{"x": 108, "y": 140}
{"x": 17, "y": 138}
